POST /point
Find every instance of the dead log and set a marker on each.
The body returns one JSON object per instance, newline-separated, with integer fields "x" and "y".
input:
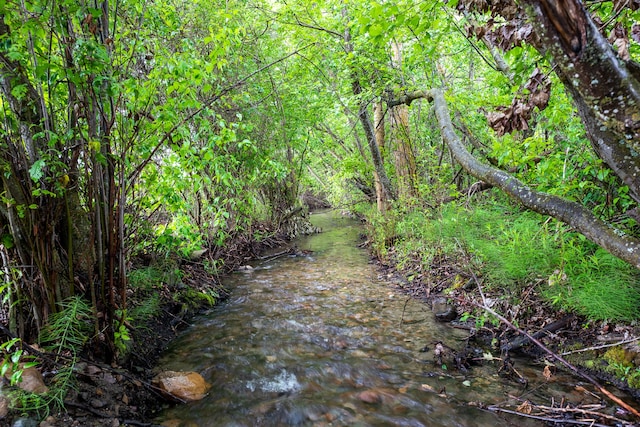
{"x": 523, "y": 340}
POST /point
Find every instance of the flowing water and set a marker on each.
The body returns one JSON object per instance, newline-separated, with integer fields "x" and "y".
{"x": 321, "y": 340}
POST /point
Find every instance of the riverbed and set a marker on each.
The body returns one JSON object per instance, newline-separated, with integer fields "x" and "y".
{"x": 320, "y": 338}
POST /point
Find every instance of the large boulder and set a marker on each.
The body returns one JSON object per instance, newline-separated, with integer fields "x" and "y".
{"x": 184, "y": 386}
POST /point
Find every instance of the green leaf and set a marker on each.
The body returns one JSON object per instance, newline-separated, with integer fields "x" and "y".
{"x": 375, "y": 30}
{"x": 96, "y": 13}
{"x": 36, "y": 171}
{"x": 16, "y": 355}
{"x": 19, "y": 91}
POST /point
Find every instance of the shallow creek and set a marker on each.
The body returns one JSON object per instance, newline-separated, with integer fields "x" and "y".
{"x": 319, "y": 340}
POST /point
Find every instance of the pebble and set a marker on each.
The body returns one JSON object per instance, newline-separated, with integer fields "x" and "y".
{"x": 48, "y": 422}
{"x": 370, "y": 396}
{"x": 108, "y": 378}
{"x": 98, "y": 403}
{"x": 25, "y": 422}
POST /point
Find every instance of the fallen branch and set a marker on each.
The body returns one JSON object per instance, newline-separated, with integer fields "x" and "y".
{"x": 546, "y": 419}
{"x": 555, "y": 356}
{"x": 599, "y": 347}
{"x": 581, "y": 411}
{"x": 524, "y": 340}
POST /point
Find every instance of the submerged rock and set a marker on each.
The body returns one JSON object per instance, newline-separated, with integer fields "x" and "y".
{"x": 443, "y": 310}
{"x": 186, "y": 386}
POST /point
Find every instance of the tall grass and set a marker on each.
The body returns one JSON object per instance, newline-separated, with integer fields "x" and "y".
{"x": 514, "y": 249}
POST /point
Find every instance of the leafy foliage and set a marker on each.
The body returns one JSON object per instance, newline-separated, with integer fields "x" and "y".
{"x": 140, "y": 130}
{"x": 512, "y": 249}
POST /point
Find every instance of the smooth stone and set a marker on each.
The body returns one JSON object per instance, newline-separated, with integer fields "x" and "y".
{"x": 444, "y": 312}
{"x": 187, "y": 386}
{"x": 25, "y": 422}
{"x": 31, "y": 381}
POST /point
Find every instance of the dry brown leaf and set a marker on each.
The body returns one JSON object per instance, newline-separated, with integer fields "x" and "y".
{"x": 546, "y": 372}
{"x": 620, "y": 41}
{"x": 635, "y": 32}
{"x": 525, "y": 408}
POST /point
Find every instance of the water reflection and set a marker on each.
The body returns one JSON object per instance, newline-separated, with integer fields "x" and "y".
{"x": 317, "y": 340}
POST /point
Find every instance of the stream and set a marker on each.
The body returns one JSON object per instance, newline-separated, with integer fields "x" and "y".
{"x": 322, "y": 340}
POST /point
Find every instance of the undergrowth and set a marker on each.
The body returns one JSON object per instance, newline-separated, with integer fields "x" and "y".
{"x": 64, "y": 335}
{"x": 513, "y": 249}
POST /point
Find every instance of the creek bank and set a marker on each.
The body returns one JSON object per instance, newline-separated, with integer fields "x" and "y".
{"x": 124, "y": 393}
{"x": 457, "y": 295}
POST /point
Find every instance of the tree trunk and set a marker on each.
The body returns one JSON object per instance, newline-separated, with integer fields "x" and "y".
{"x": 404, "y": 159}
{"x": 367, "y": 125}
{"x": 34, "y": 210}
{"x": 577, "y": 216}
{"x": 605, "y": 88}
{"x": 66, "y": 228}
{"x": 378, "y": 119}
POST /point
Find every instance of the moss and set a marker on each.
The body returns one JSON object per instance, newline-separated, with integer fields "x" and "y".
{"x": 634, "y": 379}
{"x": 619, "y": 356}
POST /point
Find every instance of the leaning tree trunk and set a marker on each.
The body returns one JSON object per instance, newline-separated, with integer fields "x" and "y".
{"x": 605, "y": 87}
{"x": 577, "y": 216}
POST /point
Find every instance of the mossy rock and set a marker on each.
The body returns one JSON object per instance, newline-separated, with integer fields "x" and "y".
{"x": 619, "y": 355}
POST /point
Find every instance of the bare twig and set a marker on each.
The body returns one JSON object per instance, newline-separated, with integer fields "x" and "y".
{"x": 598, "y": 347}
{"x": 581, "y": 411}
{"x": 404, "y": 307}
{"x": 546, "y": 419}
{"x": 556, "y": 356}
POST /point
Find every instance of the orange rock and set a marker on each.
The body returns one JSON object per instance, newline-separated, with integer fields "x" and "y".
{"x": 187, "y": 386}
{"x": 32, "y": 381}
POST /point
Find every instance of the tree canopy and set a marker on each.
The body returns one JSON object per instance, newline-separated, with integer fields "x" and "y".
{"x": 131, "y": 127}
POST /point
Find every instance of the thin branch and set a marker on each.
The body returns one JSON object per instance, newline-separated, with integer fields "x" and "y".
{"x": 598, "y": 347}
{"x": 546, "y": 419}
{"x": 313, "y": 27}
{"x": 556, "y": 356}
